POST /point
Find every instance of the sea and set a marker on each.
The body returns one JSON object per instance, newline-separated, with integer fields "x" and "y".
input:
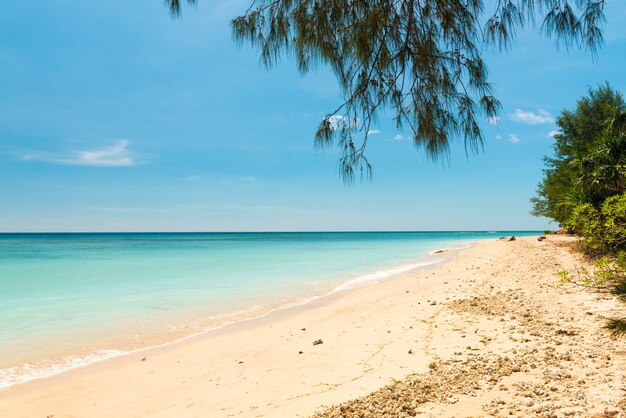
{"x": 71, "y": 299}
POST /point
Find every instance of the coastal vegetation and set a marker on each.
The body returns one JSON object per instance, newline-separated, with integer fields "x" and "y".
{"x": 589, "y": 157}
{"x": 584, "y": 189}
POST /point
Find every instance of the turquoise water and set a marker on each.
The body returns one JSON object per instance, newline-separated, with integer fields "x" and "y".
{"x": 69, "y": 299}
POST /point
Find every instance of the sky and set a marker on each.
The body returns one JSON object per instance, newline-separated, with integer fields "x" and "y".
{"x": 115, "y": 117}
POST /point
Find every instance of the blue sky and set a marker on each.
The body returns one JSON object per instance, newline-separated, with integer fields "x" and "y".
{"x": 113, "y": 117}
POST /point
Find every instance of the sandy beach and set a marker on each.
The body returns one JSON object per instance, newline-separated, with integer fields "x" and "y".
{"x": 489, "y": 333}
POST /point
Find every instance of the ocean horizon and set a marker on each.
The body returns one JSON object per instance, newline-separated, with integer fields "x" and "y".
{"x": 71, "y": 298}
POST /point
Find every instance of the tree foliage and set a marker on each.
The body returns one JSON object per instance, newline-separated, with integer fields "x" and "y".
{"x": 175, "y": 6}
{"x": 420, "y": 59}
{"x": 589, "y": 156}
{"x": 603, "y": 230}
{"x": 603, "y": 168}
{"x": 590, "y": 165}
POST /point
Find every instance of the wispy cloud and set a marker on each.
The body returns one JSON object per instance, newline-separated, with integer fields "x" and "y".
{"x": 514, "y": 139}
{"x": 493, "y": 120}
{"x": 246, "y": 179}
{"x": 373, "y": 132}
{"x": 552, "y": 134}
{"x": 532, "y": 118}
{"x": 193, "y": 178}
{"x": 116, "y": 155}
{"x": 498, "y": 137}
{"x": 398, "y": 137}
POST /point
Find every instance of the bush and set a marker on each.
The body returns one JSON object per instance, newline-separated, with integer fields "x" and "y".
{"x": 614, "y": 214}
{"x": 603, "y": 231}
{"x": 586, "y": 222}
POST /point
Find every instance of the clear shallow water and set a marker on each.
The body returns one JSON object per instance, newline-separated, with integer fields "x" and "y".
{"x": 70, "y": 299}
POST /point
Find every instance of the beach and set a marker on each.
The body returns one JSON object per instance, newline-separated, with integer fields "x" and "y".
{"x": 491, "y": 332}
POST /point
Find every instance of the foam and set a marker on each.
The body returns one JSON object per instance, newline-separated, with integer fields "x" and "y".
{"x": 30, "y": 371}
{"x": 380, "y": 275}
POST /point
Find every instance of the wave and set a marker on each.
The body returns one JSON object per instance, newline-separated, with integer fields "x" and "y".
{"x": 29, "y": 371}
{"x": 379, "y": 275}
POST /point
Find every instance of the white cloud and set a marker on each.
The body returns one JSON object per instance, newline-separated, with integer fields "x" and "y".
{"x": 334, "y": 121}
{"x": 373, "y": 132}
{"x": 493, "y": 120}
{"x": 398, "y": 138}
{"x": 116, "y": 155}
{"x": 498, "y": 137}
{"x": 552, "y": 134}
{"x": 514, "y": 139}
{"x": 531, "y": 118}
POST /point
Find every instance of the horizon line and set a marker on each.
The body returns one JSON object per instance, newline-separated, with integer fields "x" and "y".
{"x": 271, "y": 232}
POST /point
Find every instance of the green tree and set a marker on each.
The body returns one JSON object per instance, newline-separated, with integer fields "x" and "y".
{"x": 420, "y": 59}
{"x": 591, "y": 162}
{"x": 603, "y": 168}
{"x": 589, "y": 156}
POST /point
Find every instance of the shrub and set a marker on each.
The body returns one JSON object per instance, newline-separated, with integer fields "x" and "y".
{"x": 586, "y": 222}
{"x": 603, "y": 231}
{"x": 614, "y": 225}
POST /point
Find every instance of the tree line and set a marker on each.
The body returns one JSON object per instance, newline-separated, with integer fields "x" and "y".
{"x": 584, "y": 188}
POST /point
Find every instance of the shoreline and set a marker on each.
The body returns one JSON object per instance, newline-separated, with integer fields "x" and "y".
{"x": 392, "y": 272}
{"x": 493, "y": 302}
